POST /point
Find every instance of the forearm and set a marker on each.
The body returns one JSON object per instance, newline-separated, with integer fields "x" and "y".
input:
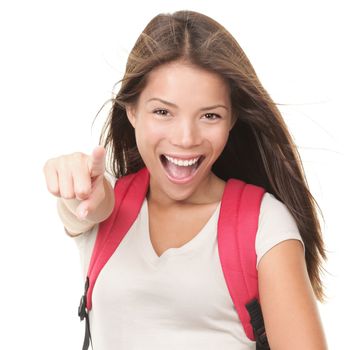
{"x": 75, "y": 226}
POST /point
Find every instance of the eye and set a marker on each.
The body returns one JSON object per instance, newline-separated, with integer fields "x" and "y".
{"x": 212, "y": 114}
{"x": 161, "y": 110}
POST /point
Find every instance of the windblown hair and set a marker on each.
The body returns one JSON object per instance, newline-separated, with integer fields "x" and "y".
{"x": 260, "y": 149}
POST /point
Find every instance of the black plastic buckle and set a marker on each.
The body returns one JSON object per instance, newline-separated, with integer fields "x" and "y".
{"x": 82, "y": 308}
{"x": 82, "y": 312}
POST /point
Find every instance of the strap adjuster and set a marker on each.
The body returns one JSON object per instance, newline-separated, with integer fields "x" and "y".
{"x": 82, "y": 308}
{"x": 257, "y": 322}
{"x": 82, "y": 311}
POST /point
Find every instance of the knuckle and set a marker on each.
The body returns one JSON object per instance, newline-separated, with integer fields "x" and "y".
{"x": 62, "y": 161}
{"x": 67, "y": 195}
{"x": 74, "y": 161}
{"x": 82, "y": 193}
{"x": 77, "y": 156}
{"x": 53, "y": 191}
{"x": 50, "y": 163}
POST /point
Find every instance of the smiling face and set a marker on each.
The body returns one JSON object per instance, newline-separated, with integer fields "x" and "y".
{"x": 182, "y": 121}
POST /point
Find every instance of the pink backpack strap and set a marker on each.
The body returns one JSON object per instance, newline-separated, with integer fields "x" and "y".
{"x": 129, "y": 192}
{"x": 237, "y": 227}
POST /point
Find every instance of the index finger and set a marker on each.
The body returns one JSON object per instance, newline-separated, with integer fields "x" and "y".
{"x": 96, "y": 162}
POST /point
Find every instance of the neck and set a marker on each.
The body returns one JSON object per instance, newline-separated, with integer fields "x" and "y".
{"x": 209, "y": 191}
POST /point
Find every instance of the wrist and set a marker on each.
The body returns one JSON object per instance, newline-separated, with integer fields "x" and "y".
{"x": 73, "y": 225}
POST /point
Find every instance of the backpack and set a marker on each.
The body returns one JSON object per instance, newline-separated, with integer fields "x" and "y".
{"x": 237, "y": 227}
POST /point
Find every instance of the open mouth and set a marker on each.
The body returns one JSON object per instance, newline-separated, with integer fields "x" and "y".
{"x": 180, "y": 171}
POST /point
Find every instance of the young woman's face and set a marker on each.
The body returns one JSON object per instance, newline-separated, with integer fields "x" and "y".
{"x": 182, "y": 121}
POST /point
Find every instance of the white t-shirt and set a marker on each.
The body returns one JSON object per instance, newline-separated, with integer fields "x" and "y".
{"x": 176, "y": 301}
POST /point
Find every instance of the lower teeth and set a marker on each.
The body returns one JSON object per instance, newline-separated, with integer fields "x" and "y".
{"x": 177, "y": 171}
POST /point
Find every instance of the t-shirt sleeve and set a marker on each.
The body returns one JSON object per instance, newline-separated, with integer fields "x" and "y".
{"x": 276, "y": 224}
{"x": 85, "y": 244}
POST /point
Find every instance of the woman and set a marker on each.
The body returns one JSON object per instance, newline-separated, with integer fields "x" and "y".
{"x": 193, "y": 112}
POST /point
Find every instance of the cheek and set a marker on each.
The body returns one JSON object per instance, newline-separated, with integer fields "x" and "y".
{"x": 218, "y": 139}
{"x": 148, "y": 134}
{"x": 155, "y": 131}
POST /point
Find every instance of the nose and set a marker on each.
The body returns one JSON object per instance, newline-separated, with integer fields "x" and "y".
{"x": 185, "y": 134}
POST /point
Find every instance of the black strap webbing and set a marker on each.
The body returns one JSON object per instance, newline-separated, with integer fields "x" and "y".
{"x": 83, "y": 313}
{"x": 257, "y": 322}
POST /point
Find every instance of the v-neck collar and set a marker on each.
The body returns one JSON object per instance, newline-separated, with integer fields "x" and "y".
{"x": 146, "y": 244}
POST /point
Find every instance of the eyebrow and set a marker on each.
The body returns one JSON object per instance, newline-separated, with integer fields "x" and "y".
{"x": 175, "y": 106}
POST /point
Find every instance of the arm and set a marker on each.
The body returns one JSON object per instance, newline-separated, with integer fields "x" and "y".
{"x": 287, "y": 300}
{"x": 73, "y": 226}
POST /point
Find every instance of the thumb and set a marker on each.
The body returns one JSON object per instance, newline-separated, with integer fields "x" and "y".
{"x": 96, "y": 162}
{"x": 89, "y": 205}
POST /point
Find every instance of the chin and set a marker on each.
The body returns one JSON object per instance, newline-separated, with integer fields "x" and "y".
{"x": 180, "y": 197}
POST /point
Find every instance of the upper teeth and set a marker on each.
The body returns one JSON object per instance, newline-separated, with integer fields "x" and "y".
{"x": 181, "y": 162}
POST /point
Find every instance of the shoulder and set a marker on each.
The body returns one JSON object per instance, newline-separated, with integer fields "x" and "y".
{"x": 276, "y": 224}
{"x": 271, "y": 207}
{"x": 85, "y": 243}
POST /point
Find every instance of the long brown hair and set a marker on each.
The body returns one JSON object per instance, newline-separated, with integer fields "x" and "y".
{"x": 260, "y": 149}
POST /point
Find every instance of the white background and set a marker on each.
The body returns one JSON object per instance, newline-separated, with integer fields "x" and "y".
{"x": 59, "y": 61}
